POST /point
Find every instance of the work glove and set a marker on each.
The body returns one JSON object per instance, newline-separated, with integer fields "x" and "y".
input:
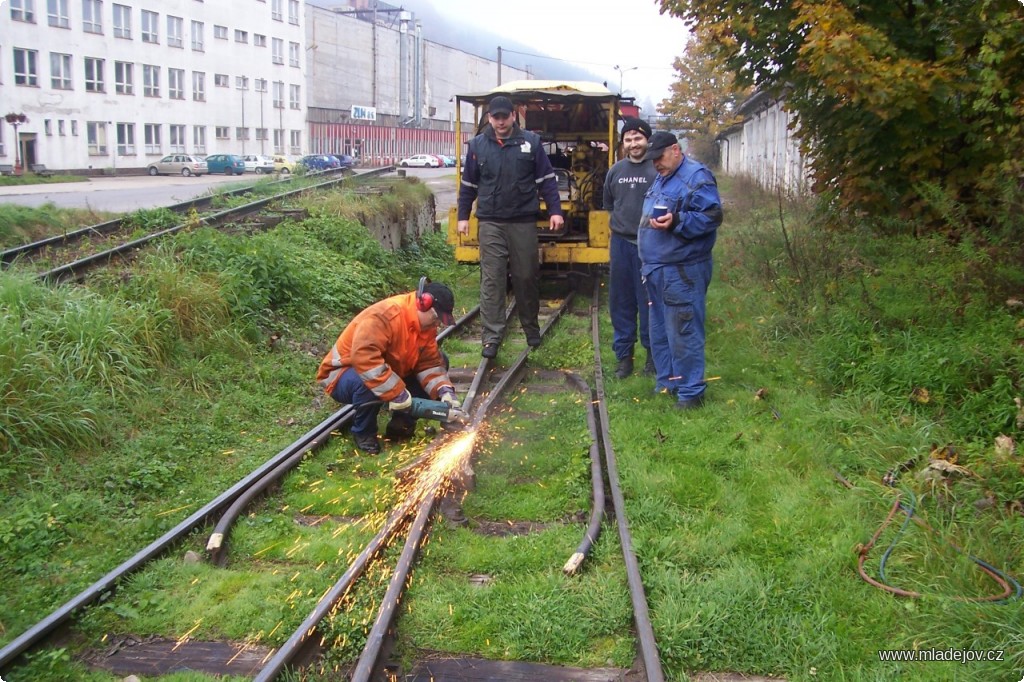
{"x": 447, "y": 395}
{"x": 401, "y": 403}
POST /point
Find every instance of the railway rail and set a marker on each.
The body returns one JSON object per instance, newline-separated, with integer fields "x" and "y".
{"x": 433, "y": 475}
{"x": 80, "y": 250}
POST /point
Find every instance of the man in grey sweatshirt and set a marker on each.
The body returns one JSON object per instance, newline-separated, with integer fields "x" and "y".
{"x": 624, "y": 188}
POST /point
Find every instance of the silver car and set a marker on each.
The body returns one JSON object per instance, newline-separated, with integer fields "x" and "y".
{"x": 258, "y": 163}
{"x": 173, "y": 164}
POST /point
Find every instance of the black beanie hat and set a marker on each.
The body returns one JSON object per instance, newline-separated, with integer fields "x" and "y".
{"x": 630, "y": 123}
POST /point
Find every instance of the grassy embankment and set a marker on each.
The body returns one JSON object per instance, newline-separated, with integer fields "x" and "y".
{"x": 132, "y": 402}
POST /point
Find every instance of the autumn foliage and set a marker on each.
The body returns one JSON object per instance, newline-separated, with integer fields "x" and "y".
{"x": 901, "y": 106}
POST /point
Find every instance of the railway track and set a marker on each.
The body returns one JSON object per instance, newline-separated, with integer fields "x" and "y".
{"x": 73, "y": 254}
{"x": 435, "y": 474}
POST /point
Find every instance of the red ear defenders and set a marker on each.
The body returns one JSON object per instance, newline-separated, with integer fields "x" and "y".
{"x": 424, "y": 300}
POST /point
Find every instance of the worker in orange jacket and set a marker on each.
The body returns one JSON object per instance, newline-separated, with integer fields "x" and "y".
{"x": 388, "y": 353}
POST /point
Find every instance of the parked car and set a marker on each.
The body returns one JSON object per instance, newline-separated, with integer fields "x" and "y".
{"x": 449, "y": 161}
{"x": 318, "y": 162}
{"x": 258, "y": 163}
{"x": 282, "y": 164}
{"x": 343, "y": 160}
{"x": 172, "y": 164}
{"x": 420, "y": 161}
{"x": 225, "y": 163}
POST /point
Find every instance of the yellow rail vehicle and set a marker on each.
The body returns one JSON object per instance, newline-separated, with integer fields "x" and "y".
{"x": 577, "y": 125}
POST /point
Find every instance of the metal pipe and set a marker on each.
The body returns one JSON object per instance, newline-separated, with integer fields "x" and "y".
{"x": 596, "y": 481}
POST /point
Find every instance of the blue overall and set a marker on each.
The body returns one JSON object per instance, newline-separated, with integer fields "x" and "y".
{"x": 677, "y": 269}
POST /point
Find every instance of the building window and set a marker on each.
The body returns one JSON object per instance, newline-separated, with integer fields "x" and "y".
{"x": 241, "y": 36}
{"x": 198, "y": 86}
{"x": 122, "y": 22}
{"x": 259, "y": 40}
{"x": 176, "y": 83}
{"x": 151, "y": 131}
{"x": 177, "y": 138}
{"x": 275, "y": 10}
{"x": 150, "y": 80}
{"x": 259, "y": 85}
{"x": 92, "y": 16}
{"x": 199, "y": 139}
{"x": 222, "y": 132}
{"x": 74, "y": 128}
{"x": 278, "y": 94}
{"x": 60, "y": 71}
{"x": 294, "y": 50}
{"x": 60, "y": 126}
{"x": 261, "y": 134}
{"x": 22, "y": 10}
{"x": 278, "y": 51}
{"x": 279, "y": 140}
{"x": 241, "y": 133}
{"x": 96, "y": 137}
{"x": 124, "y": 78}
{"x": 94, "y": 75}
{"x": 241, "y": 83}
{"x": 293, "y": 96}
{"x": 126, "y": 139}
{"x": 57, "y": 13}
{"x": 220, "y": 32}
{"x": 220, "y": 80}
{"x": 46, "y": 127}
{"x": 295, "y": 142}
{"x": 175, "y": 31}
{"x": 150, "y": 27}
{"x": 25, "y": 67}
{"x": 197, "y": 36}
{"x": 293, "y": 12}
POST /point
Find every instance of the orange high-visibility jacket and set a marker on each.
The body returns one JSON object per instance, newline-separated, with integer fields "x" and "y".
{"x": 385, "y": 343}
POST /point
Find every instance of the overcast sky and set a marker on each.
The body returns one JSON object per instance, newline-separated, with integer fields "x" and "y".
{"x": 593, "y": 35}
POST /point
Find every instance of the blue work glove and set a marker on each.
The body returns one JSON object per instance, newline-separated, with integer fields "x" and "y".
{"x": 448, "y": 396}
{"x": 401, "y": 403}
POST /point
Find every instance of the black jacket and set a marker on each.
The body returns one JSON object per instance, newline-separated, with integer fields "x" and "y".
{"x": 504, "y": 177}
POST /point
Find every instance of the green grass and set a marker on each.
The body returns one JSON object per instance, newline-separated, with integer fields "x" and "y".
{"x": 131, "y": 402}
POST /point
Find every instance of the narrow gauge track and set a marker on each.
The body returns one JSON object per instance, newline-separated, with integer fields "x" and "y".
{"x": 444, "y": 461}
{"x": 103, "y": 242}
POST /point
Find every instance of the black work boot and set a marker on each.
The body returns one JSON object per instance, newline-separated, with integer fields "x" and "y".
{"x": 649, "y": 368}
{"x": 624, "y": 368}
{"x": 400, "y": 428}
{"x": 367, "y": 442}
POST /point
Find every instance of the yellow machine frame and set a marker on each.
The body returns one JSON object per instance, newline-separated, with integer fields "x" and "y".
{"x": 567, "y": 113}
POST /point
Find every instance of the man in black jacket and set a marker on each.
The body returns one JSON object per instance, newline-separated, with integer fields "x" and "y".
{"x": 505, "y": 168}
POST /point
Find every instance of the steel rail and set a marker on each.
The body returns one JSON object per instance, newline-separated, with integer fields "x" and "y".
{"x": 31, "y": 636}
{"x": 641, "y": 614}
{"x": 375, "y": 640}
{"x": 8, "y": 256}
{"x": 75, "y": 268}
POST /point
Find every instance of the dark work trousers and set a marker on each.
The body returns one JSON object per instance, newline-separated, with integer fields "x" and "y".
{"x": 508, "y": 248}
{"x": 627, "y": 298}
{"x": 350, "y": 390}
{"x": 678, "y": 296}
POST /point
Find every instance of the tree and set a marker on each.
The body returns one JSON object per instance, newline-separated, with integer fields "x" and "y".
{"x": 704, "y": 96}
{"x": 891, "y": 99}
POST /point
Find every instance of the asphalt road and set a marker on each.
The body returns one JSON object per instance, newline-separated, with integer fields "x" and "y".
{"x": 131, "y": 193}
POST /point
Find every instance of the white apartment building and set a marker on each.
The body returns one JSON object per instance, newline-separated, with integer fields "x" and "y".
{"x": 110, "y": 86}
